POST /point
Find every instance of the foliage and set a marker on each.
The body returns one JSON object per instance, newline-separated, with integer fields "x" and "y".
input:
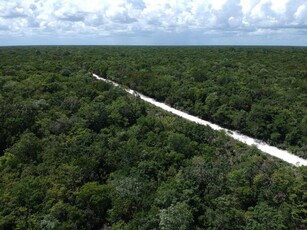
{"x": 77, "y": 153}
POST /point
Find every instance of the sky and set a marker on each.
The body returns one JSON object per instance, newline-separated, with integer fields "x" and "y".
{"x": 153, "y": 22}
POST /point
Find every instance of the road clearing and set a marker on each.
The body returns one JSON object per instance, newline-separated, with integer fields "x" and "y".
{"x": 264, "y": 147}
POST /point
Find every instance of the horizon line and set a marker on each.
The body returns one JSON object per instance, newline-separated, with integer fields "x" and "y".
{"x": 150, "y": 45}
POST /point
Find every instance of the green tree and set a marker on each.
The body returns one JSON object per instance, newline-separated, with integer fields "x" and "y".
{"x": 27, "y": 149}
{"x": 265, "y": 217}
{"x": 177, "y": 216}
{"x": 93, "y": 199}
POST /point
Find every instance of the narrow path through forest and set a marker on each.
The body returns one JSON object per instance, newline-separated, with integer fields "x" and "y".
{"x": 271, "y": 150}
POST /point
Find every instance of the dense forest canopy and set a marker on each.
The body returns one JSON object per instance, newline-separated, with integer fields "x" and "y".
{"x": 77, "y": 153}
{"x": 259, "y": 91}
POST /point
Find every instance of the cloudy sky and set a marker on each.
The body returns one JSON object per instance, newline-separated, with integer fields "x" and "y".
{"x": 153, "y": 22}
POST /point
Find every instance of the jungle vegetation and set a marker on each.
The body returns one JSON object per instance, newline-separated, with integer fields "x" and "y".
{"x": 77, "y": 153}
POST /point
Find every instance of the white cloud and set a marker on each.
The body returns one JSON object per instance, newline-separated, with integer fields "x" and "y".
{"x": 301, "y": 13}
{"x": 107, "y": 17}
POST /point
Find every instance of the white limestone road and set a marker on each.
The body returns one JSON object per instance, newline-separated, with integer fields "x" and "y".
{"x": 271, "y": 150}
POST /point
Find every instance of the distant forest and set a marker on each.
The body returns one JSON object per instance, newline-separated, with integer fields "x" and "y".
{"x": 77, "y": 153}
